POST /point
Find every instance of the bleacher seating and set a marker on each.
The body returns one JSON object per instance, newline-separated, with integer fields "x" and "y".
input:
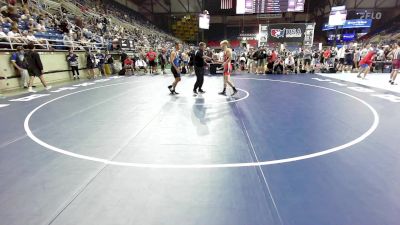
{"x": 122, "y": 22}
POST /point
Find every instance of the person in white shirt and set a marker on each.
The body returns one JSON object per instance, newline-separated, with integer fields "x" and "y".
{"x": 341, "y": 53}
{"x": 68, "y": 42}
{"x": 289, "y": 64}
{"x": 141, "y": 64}
{"x": 15, "y": 36}
{"x": 40, "y": 27}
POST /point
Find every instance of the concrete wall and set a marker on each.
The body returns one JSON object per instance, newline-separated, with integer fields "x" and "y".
{"x": 52, "y": 61}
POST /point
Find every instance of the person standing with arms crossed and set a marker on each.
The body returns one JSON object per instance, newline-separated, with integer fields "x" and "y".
{"x": 227, "y": 66}
{"x": 199, "y": 63}
{"x": 175, "y": 60}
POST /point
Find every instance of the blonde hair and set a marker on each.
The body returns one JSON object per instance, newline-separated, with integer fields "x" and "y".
{"x": 224, "y": 42}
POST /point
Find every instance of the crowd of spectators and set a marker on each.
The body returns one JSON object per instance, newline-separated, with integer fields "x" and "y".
{"x": 343, "y": 59}
{"x": 64, "y": 29}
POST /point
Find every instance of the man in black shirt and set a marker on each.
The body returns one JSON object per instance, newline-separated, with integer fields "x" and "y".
{"x": 35, "y": 67}
{"x": 199, "y": 64}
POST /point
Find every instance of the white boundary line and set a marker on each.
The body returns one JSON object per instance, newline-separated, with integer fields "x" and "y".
{"x": 259, "y": 167}
{"x": 204, "y": 166}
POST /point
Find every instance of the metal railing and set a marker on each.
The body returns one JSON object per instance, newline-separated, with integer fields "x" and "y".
{"x": 51, "y": 44}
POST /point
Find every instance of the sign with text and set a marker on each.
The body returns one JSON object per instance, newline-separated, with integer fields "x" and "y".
{"x": 287, "y": 33}
{"x": 350, "y": 24}
{"x": 126, "y": 44}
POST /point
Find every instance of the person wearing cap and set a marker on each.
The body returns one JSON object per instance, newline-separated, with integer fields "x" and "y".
{"x": 18, "y": 60}
{"x": 35, "y": 67}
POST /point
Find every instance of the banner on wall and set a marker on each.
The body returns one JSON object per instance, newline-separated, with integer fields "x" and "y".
{"x": 286, "y": 33}
{"x": 350, "y": 24}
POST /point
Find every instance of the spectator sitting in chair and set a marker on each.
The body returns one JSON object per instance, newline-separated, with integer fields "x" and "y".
{"x": 40, "y": 44}
{"x": 110, "y": 62}
{"x": 20, "y": 64}
{"x": 15, "y": 36}
{"x": 141, "y": 64}
{"x": 289, "y": 64}
{"x": 129, "y": 65}
{"x": 278, "y": 66}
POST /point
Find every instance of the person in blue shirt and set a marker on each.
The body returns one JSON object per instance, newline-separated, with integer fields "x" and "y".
{"x": 19, "y": 62}
{"x": 175, "y": 61}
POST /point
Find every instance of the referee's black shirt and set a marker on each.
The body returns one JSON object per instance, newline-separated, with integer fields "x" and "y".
{"x": 198, "y": 58}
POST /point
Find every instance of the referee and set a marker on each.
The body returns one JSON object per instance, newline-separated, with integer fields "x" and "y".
{"x": 199, "y": 64}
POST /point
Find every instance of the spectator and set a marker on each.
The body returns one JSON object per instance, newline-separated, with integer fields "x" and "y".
{"x": 327, "y": 55}
{"x": 348, "y": 60}
{"x": 19, "y": 62}
{"x": 242, "y": 61}
{"x": 141, "y": 64}
{"x": 162, "y": 59}
{"x": 185, "y": 60}
{"x": 289, "y": 64}
{"x": 191, "y": 54}
{"x": 261, "y": 57}
{"x": 15, "y": 36}
{"x": 129, "y": 66}
{"x": 341, "y": 56}
{"x": 357, "y": 57}
{"x": 41, "y": 26}
{"x": 90, "y": 64}
{"x": 39, "y": 43}
{"x": 233, "y": 60}
{"x": 151, "y": 57}
{"x": 100, "y": 64}
{"x": 278, "y": 66}
{"x": 307, "y": 59}
{"x": 72, "y": 59}
{"x": 123, "y": 57}
{"x": 109, "y": 60}
{"x": 271, "y": 61}
{"x": 35, "y": 67}
{"x": 68, "y": 41}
